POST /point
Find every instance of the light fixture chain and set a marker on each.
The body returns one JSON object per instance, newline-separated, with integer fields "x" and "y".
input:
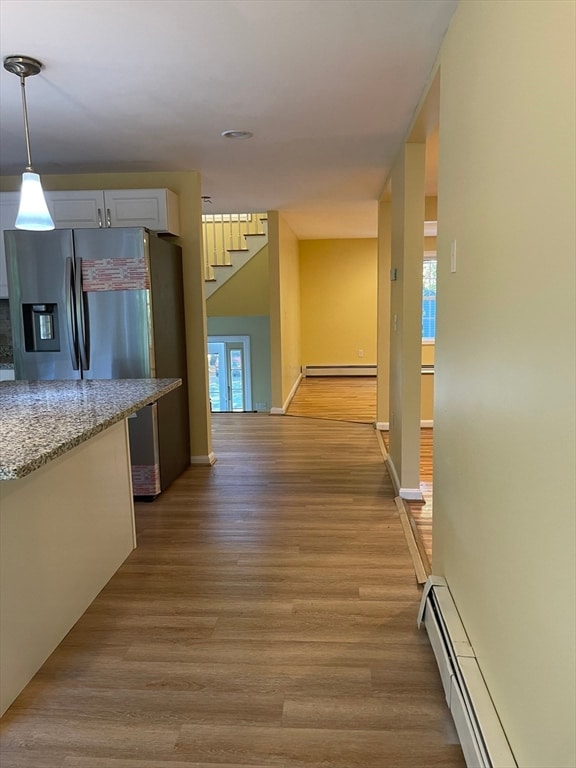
{"x": 33, "y": 213}
{"x": 26, "y": 129}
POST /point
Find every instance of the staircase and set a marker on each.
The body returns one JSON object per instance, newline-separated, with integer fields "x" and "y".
{"x": 230, "y": 240}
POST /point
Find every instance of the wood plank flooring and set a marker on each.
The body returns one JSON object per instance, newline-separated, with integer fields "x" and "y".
{"x": 266, "y": 620}
{"x": 343, "y": 398}
{"x": 349, "y": 398}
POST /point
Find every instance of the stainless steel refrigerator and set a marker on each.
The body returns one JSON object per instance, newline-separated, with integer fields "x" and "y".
{"x": 106, "y": 304}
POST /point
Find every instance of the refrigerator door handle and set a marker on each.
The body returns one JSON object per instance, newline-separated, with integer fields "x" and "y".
{"x": 72, "y": 338}
{"x": 80, "y": 318}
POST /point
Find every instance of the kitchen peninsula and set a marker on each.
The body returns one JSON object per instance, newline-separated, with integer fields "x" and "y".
{"x": 66, "y": 508}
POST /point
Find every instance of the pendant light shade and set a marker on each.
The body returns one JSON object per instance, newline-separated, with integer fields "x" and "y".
{"x": 33, "y": 212}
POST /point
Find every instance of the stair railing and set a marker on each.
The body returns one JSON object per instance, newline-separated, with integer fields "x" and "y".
{"x": 224, "y": 232}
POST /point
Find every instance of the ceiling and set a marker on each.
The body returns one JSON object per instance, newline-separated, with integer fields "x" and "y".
{"x": 328, "y": 88}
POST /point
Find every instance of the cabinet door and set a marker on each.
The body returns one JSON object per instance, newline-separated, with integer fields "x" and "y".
{"x": 155, "y": 209}
{"x": 9, "y": 202}
{"x": 77, "y": 210}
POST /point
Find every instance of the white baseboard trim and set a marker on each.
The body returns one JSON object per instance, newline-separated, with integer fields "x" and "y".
{"x": 204, "y": 461}
{"x": 411, "y": 494}
{"x": 427, "y": 423}
{"x": 339, "y": 370}
{"x": 383, "y": 426}
{"x": 282, "y": 411}
{"x": 292, "y": 393}
{"x": 479, "y": 729}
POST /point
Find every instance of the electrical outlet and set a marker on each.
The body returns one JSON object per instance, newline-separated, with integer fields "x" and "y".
{"x": 360, "y": 353}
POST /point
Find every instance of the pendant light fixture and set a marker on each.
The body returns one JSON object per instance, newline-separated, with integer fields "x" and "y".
{"x": 33, "y": 212}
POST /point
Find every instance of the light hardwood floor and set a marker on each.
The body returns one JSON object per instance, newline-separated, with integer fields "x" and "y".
{"x": 266, "y": 620}
{"x": 354, "y": 399}
{"x": 343, "y": 398}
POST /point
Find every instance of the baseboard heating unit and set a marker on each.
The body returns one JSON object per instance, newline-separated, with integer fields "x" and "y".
{"x": 482, "y": 738}
{"x": 338, "y": 370}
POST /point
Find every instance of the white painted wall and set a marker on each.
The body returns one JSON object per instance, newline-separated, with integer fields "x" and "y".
{"x": 407, "y": 220}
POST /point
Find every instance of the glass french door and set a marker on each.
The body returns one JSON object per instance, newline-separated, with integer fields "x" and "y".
{"x": 229, "y": 374}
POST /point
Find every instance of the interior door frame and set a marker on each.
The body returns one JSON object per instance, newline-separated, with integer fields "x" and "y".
{"x": 244, "y": 341}
{"x": 222, "y": 376}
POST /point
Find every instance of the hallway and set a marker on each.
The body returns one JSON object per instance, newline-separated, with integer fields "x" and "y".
{"x": 354, "y": 399}
{"x": 267, "y": 619}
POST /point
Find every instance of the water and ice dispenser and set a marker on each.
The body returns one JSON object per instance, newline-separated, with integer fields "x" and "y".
{"x": 41, "y": 330}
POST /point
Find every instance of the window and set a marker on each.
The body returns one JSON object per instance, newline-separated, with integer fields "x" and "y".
{"x": 429, "y": 297}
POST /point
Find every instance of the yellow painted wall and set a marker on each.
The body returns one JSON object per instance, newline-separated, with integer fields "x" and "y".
{"x": 285, "y": 351}
{"x": 338, "y": 286}
{"x": 428, "y": 354}
{"x": 427, "y": 397}
{"x": 431, "y": 208}
{"x": 504, "y": 487}
{"x": 246, "y": 293}
{"x": 187, "y": 187}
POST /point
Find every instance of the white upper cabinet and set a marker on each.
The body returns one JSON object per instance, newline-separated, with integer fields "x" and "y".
{"x": 155, "y": 209}
{"x": 9, "y": 202}
{"x": 77, "y": 210}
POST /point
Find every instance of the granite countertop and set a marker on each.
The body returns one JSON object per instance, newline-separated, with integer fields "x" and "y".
{"x": 41, "y": 420}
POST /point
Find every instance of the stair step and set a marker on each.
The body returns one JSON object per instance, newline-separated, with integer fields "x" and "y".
{"x": 237, "y": 257}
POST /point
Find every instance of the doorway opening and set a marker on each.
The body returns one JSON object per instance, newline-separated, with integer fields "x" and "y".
{"x": 229, "y": 374}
